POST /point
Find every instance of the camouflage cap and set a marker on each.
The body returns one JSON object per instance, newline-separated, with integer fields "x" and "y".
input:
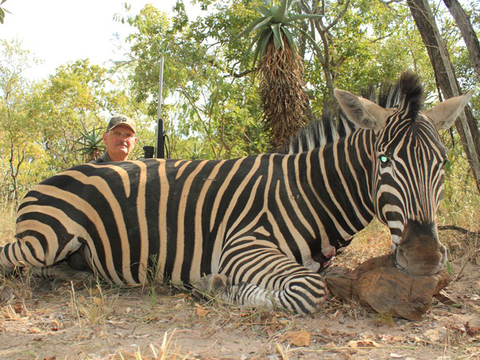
{"x": 118, "y": 120}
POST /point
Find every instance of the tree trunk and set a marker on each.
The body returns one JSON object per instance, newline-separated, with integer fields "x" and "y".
{"x": 468, "y": 33}
{"x": 329, "y": 64}
{"x": 466, "y": 124}
{"x": 15, "y": 169}
{"x": 283, "y": 93}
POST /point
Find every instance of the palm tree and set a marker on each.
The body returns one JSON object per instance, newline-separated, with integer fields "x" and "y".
{"x": 282, "y": 89}
{"x": 3, "y": 11}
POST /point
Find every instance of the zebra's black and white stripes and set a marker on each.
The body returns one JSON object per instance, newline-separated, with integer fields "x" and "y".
{"x": 265, "y": 224}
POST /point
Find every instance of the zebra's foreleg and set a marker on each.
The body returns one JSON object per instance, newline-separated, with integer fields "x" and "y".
{"x": 218, "y": 286}
{"x": 266, "y": 277}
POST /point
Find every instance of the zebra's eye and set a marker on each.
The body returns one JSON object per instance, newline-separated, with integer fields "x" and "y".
{"x": 384, "y": 160}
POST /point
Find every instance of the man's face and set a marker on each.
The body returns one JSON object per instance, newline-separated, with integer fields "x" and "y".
{"x": 119, "y": 142}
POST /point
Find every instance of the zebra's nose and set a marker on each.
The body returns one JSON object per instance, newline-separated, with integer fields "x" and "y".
{"x": 420, "y": 252}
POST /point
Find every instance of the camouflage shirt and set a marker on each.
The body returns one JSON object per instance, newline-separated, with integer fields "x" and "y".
{"x": 102, "y": 159}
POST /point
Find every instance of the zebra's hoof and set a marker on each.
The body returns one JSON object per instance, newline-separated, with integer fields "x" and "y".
{"x": 212, "y": 284}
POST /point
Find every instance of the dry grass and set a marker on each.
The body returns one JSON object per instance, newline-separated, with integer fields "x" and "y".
{"x": 372, "y": 241}
{"x": 96, "y": 308}
{"x": 7, "y": 223}
{"x": 104, "y": 322}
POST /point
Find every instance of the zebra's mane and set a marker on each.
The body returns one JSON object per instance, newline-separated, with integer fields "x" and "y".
{"x": 331, "y": 127}
{"x": 319, "y": 132}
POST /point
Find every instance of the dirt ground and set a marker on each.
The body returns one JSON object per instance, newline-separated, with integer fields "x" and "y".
{"x": 45, "y": 320}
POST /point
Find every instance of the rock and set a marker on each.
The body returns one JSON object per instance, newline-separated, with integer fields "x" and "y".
{"x": 379, "y": 285}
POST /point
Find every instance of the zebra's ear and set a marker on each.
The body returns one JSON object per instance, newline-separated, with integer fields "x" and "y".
{"x": 362, "y": 112}
{"x": 444, "y": 114}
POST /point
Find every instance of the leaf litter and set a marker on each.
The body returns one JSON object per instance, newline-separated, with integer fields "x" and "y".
{"x": 102, "y": 322}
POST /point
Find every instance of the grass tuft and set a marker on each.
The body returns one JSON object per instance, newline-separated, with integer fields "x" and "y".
{"x": 94, "y": 308}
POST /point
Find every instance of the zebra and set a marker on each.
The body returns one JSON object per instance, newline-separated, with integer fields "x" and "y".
{"x": 260, "y": 228}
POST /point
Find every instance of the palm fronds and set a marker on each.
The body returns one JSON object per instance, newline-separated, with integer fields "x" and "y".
{"x": 91, "y": 142}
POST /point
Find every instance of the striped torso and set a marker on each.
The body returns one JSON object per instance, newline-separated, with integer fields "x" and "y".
{"x": 181, "y": 216}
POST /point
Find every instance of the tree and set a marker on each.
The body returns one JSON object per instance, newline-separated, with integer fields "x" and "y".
{"x": 212, "y": 103}
{"x": 209, "y": 97}
{"x": 74, "y": 100}
{"x": 468, "y": 32}
{"x": 17, "y": 129}
{"x": 282, "y": 88}
{"x": 208, "y": 112}
{"x": 322, "y": 28}
{"x": 446, "y": 80}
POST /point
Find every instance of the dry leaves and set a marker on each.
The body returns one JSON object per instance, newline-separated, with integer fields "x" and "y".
{"x": 366, "y": 343}
{"x": 297, "y": 338}
{"x": 201, "y": 311}
{"x": 34, "y": 330}
{"x": 472, "y": 330}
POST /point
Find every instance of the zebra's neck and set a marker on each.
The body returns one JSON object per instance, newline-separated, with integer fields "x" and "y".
{"x": 340, "y": 178}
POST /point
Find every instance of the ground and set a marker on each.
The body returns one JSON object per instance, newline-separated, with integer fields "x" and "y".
{"x": 45, "y": 320}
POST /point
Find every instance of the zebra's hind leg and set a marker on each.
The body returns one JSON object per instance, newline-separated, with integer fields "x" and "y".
{"x": 268, "y": 278}
{"x": 6, "y": 267}
{"x": 61, "y": 271}
{"x": 73, "y": 268}
{"x": 69, "y": 262}
{"x": 56, "y": 275}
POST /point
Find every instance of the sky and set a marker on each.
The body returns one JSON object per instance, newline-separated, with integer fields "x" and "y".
{"x": 61, "y": 31}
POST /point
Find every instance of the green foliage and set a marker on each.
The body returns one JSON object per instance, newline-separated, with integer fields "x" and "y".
{"x": 200, "y": 101}
{"x": 41, "y": 122}
{"x": 92, "y": 143}
{"x": 275, "y": 22}
{"x": 17, "y": 151}
{"x": 3, "y": 11}
{"x": 64, "y": 105}
{"x": 461, "y": 205}
{"x": 367, "y": 46}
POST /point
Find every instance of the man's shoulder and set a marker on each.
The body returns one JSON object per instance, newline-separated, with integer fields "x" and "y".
{"x": 102, "y": 159}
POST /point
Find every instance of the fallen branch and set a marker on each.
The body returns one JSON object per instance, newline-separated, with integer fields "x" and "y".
{"x": 466, "y": 261}
{"x": 457, "y": 228}
{"x": 467, "y": 257}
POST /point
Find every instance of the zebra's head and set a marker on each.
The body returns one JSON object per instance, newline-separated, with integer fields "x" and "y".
{"x": 407, "y": 168}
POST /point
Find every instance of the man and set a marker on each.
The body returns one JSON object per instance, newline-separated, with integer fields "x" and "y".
{"x": 119, "y": 138}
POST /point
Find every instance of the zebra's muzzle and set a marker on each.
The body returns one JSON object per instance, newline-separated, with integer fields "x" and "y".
{"x": 419, "y": 251}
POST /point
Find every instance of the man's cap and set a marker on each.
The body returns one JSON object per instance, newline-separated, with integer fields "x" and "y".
{"x": 118, "y": 120}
